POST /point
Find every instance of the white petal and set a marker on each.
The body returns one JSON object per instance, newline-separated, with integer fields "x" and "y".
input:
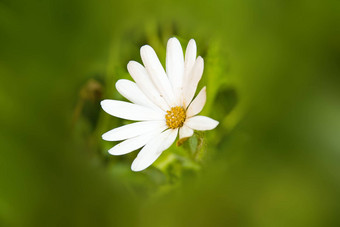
{"x": 175, "y": 66}
{"x": 197, "y": 105}
{"x": 130, "y": 111}
{"x": 190, "y": 55}
{"x": 201, "y": 123}
{"x": 131, "y": 92}
{"x": 192, "y": 80}
{"x": 185, "y": 132}
{"x": 157, "y": 74}
{"x": 153, "y": 149}
{"x": 134, "y": 143}
{"x": 132, "y": 130}
{"x": 141, "y": 77}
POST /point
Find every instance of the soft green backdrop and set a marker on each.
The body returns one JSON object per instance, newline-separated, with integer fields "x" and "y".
{"x": 272, "y": 74}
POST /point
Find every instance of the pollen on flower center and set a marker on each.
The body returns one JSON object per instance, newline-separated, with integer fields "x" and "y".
{"x": 175, "y": 117}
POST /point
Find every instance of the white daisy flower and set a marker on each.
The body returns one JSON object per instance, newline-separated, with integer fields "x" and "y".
{"x": 162, "y": 103}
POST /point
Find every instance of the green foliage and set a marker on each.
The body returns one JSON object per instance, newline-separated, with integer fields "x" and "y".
{"x": 272, "y": 76}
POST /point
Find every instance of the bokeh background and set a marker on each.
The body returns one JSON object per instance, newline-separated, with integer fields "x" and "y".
{"x": 272, "y": 74}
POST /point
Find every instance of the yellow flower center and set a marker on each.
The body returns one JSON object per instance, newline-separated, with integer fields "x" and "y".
{"x": 175, "y": 117}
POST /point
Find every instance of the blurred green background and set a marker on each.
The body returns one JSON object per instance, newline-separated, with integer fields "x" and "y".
{"x": 272, "y": 74}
